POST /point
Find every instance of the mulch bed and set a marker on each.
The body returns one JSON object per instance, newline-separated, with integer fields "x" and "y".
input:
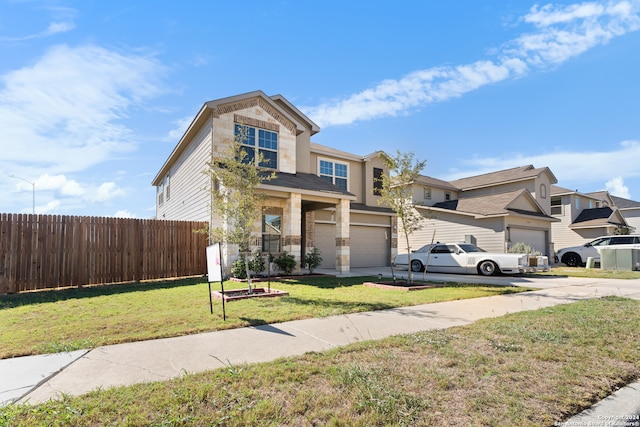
{"x": 283, "y": 277}
{"x": 240, "y": 294}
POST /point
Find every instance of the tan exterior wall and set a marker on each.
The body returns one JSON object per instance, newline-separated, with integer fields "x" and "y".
{"x": 438, "y": 195}
{"x": 189, "y": 197}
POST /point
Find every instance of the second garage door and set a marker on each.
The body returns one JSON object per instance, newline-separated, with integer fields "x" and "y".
{"x": 534, "y": 238}
{"x": 370, "y": 246}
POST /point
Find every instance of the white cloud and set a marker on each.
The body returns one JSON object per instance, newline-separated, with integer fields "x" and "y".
{"x": 49, "y": 207}
{"x": 106, "y": 191}
{"x": 181, "y": 127}
{"x": 124, "y": 214}
{"x": 64, "y": 111}
{"x": 571, "y": 168}
{"x": 562, "y": 33}
{"x": 616, "y": 187}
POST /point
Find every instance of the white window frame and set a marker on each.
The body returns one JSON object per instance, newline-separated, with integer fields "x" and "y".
{"x": 333, "y": 171}
{"x": 256, "y": 147}
{"x": 427, "y": 193}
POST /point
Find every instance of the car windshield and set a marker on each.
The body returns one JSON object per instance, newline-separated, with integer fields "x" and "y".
{"x": 467, "y": 247}
{"x": 598, "y": 242}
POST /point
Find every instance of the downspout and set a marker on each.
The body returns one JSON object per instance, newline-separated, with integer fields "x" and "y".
{"x": 212, "y": 183}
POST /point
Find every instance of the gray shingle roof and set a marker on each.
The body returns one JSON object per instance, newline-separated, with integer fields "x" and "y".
{"x": 305, "y": 181}
{"x": 623, "y": 203}
{"x": 494, "y": 178}
{"x": 493, "y": 204}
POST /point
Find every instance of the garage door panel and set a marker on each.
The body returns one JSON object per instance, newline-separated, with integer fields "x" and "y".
{"x": 534, "y": 238}
{"x": 369, "y": 245}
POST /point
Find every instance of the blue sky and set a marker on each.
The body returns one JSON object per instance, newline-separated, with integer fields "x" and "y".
{"x": 94, "y": 95}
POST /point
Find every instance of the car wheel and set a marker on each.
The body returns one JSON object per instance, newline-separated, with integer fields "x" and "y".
{"x": 416, "y": 266}
{"x": 572, "y": 260}
{"x": 488, "y": 268}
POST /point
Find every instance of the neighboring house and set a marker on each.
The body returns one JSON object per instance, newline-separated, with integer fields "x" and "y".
{"x": 583, "y": 216}
{"x": 494, "y": 210}
{"x": 320, "y": 197}
{"x": 630, "y": 209}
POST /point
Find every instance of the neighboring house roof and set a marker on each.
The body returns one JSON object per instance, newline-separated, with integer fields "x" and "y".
{"x": 623, "y": 204}
{"x": 522, "y": 173}
{"x": 596, "y": 195}
{"x": 275, "y": 105}
{"x": 598, "y": 217}
{"x": 437, "y": 183}
{"x": 519, "y": 202}
{"x": 558, "y": 191}
{"x": 306, "y": 182}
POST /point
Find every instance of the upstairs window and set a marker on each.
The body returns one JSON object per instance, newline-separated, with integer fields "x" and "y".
{"x": 267, "y": 145}
{"x": 377, "y": 181}
{"x": 335, "y": 173}
{"x": 556, "y": 205}
{"x": 447, "y": 196}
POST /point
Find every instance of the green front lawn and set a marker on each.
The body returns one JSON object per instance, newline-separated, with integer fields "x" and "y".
{"x": 534, "y": 368}
{"x": 595, "y": 273}
{"x": 53, "y": 321}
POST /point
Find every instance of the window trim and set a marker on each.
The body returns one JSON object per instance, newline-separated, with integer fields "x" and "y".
{"x": 256, "y": 148}
{"x": 427, "y": 193}
{"x": 333, "y": 171}
{"x": 377, "y": 181}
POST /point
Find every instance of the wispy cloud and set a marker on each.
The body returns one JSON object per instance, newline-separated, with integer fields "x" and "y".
{"x": 589, "y": 168}
{"x": 58, "y": 192}
{"x": 61, "y": 20}
{"x": 64, "y": 112}
{"x": 562, "y": 32}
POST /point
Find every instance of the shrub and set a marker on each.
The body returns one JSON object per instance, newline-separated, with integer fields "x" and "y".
{"x": 523, "y": 248}
{"x": 285, "y": 262}
{"x": 312, "y": 259}
{"x": 256, "y": 263}
{"x": 238, "y": 269}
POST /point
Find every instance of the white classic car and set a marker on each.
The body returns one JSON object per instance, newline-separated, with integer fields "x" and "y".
{"x": 468, "y": 259}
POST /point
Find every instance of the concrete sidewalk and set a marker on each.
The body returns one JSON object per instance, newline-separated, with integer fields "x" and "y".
{"x": 162, "y": 359}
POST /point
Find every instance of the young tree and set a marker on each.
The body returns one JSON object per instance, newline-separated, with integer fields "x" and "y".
{"x": 397, "y": 193}
{"x": 236, "y": 176}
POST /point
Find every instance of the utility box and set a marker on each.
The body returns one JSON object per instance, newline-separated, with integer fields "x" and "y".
{"x": 620, "y": 259}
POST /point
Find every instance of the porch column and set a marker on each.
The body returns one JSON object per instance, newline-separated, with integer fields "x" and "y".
{"x": 343, "y": 254}
{"x": 292, "y": 228}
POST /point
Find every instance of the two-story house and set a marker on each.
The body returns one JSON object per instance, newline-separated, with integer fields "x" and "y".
{"x": 630, "y": 209}
{"x": 494, "y": 210}
{"x": 320, "y": 196}
{"x": 583, "y": 216}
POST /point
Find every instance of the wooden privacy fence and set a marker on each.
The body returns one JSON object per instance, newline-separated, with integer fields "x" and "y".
{"x": 51, "y": 251}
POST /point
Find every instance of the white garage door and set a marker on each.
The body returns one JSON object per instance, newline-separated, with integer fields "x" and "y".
{"x": 534, "y": 238}
{"x": 369, "y": 245}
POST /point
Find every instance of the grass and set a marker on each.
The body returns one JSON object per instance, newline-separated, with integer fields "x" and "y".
{"x": 532, "y": 368}
{"x": 64, "y": 320}
{"x": 592, "y": 272}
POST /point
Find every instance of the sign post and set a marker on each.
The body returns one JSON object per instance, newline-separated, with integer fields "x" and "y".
{"x": 214, "y": 273}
